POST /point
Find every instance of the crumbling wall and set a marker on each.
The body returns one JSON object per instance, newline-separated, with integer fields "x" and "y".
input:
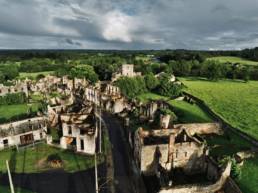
{"x": 201, "y": 128}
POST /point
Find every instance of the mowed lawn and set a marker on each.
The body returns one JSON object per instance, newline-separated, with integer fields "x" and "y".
{"x": 32, "y": 159}
{"x": 186, "y": 112}
{"x": 11, "y": 111}
{"x": 235, "y": 101}
{"x": 232, "y": 59}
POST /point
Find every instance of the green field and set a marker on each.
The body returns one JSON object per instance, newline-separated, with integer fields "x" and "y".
{"x": 232, "y": 59}
{"x": 31, "y": 159}
{"x": 33, "y": 75}
{"x": 6, "y": 189}
{"x": 189, "y": 113}
{"x": 150, "y": 96}
{"x": 8, "y": 112}
{"x": 236, "y": 102}
{"x": 186, "y": 112}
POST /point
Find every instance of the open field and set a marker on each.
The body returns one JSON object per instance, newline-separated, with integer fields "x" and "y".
{"x": 6, "y": 189}
{"x": 233, "y": 59}
{"x": 8, "y": 112}
{"x": 186, "y": 112}
{"x": 31, "y": 159}
{"x": 33, "y": 74}
{"x": 235, "y": 101}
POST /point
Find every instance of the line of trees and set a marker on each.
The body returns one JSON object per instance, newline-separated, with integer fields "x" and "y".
{"x": 134, "y": 86}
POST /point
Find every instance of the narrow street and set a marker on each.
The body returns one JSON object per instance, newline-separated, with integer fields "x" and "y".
{"x": 122, "y": 161}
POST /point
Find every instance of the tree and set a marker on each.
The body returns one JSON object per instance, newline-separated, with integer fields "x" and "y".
{"x": 151, "y": 81}
{"x": 168, "y": 88}
{"x": 131, "y": 87}
{"x": 84, "y": 71}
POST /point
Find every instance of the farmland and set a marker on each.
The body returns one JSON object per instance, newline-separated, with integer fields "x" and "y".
{"x": 235, "y": 101}
{"x": 232, "y": 59}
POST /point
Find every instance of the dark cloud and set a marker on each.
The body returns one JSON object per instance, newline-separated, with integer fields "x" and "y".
{"x": 129, "y": 24}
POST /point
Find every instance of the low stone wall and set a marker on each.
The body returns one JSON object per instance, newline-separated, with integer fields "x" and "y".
{"x": 225, "y": 125}
{"x": 201, "y": 128}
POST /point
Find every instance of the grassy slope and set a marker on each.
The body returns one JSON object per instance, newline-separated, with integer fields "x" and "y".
{"x": 235, "y": 101}
{"x": 6, "y": 189}
{"x": 27, "y": 160}
{"x": 232, "y": 59}
{"x": 189, "y": 113}
{"x": 8, "y": 111}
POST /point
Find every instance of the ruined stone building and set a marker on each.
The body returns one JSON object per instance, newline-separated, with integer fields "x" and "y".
{"x": 16, "y": 88}
{"x": 126, "y": 70}
{"x": 168, "y": 148}
{"x": 149, "y": 110}
{"x": 23, "y": 132}
{"x": 79, "y": 132}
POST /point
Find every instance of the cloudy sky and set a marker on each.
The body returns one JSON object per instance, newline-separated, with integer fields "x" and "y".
{"x": 128, "y": 24}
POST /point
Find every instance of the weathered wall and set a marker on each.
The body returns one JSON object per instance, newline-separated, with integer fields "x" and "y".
{"x": 201, "y": 128}
{"x": 197, "y": 188}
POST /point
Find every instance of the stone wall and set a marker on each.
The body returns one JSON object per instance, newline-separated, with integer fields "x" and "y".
{"x": 201, "y": 128}
{"x": 202, "y": 188}
{"x": 225, "y": 125}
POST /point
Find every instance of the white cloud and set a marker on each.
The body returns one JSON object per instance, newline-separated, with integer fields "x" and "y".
{"x": 117, "y": 26}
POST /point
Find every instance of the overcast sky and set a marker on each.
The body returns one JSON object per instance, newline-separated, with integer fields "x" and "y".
{"x": 128, "y": 24}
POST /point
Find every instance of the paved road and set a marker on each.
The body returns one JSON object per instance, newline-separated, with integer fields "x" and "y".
{"x": 123, "y": 178}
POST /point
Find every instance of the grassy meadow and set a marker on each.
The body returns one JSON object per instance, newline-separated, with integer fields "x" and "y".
{"x": 29, "y": 160}
{"x": 235, "y": 101}
{"x": 232, "y": 59}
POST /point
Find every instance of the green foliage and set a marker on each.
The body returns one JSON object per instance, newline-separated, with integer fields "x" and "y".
{"x": 235, "y": 169}
{"x": 151, "y": 81}
{"x": 13, "y": 98}
{"x": 131, "y": 87}
{"x": 84, "y": 71}
{"x": 168, "y": 88}
{"x": 8, "y": 72}
{"x": 235, "y": 101}
{"x": 167, "y": 111}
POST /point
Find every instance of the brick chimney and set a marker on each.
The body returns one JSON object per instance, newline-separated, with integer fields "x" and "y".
{"x": 164, "y": 121}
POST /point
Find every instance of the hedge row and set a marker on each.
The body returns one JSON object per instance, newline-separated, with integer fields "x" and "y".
{"x": 13, "y": 98}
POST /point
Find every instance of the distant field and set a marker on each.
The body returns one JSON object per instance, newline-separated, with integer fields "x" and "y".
{"x": 233, "y": 59}
{"x": 235, "y": 101}
{"x": 187, "y": 113}
{"x": 30, "y": 160}
{"x": 33, "y": 74}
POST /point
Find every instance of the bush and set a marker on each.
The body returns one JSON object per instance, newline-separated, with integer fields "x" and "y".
{"x": 13, "y": 98}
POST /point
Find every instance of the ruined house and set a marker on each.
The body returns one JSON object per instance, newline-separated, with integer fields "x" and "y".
{"x": 22, "y": 132}
{"x": 16, "y": 88}
{"x": 168, "y": 148}
{"x": 79, "y": 132}
{"x": 149, "y": 110}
